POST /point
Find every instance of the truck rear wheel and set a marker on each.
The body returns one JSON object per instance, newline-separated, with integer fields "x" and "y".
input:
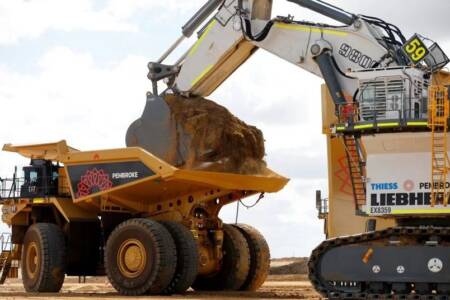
{"x": 259, "y": 257}
{"x": 140, "y": 257}
{"x": 43, "y": 259}
{"x": 187, "y": 258}
{"x": 235, "y": 264}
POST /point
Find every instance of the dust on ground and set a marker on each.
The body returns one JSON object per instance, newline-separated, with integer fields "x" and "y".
{"x": 285, "y": 282}
{"x": 213, "y": 139}
{"x": 276, "y": 287}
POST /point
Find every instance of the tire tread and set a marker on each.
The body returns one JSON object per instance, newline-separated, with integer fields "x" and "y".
{"x": 187, "y": 256}
{"x": 53, "y": 250}
{"x": 165, "y": 262}
{"x": 235, "y": 266}
{"x": 259, "y": 257}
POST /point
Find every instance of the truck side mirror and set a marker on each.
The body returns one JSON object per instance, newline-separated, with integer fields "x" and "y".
{"x": 318, "y": 199}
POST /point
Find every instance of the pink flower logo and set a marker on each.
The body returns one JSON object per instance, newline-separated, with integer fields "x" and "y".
{"x": 92, "y": 182}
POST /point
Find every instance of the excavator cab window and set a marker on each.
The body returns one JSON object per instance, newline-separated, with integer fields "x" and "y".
{"x": 40, "y": 179}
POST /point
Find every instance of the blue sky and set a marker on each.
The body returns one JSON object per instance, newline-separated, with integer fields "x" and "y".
{"x": 76, "y": 70}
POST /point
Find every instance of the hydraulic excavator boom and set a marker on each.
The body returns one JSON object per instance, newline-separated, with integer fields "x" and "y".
{"x": 239, "y": 28}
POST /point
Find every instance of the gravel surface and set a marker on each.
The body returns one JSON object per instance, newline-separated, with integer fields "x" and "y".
{"x": 99, "y": 288}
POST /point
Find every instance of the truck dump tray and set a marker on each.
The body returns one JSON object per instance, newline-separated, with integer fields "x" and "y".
{"x": 133, "y": 179}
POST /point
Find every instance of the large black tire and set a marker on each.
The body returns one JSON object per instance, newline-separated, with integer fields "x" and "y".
{"x": 235, "y": 264}
{"x": 140, "y": 257}
{"x": 43, "y": 259}
{"x": 259, "y": 257}
{"x": 187, "y": 258}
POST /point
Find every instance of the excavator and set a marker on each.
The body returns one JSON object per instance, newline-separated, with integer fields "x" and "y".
{"x": 385, "y": 114}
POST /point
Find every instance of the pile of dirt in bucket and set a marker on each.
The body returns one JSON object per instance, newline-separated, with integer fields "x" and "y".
{"x": 214, "y": 139}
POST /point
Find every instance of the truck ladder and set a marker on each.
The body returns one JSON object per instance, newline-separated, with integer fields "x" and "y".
{"x": 438, "y": 114}
{"x": 6, "y": 258}
{"x": 357, "y": 170}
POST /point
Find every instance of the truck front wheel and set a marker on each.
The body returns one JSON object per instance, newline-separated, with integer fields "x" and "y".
{"x": 43, "y": 259}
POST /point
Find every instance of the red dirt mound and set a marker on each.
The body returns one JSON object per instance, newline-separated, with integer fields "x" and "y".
{"x": 217, "y": 140}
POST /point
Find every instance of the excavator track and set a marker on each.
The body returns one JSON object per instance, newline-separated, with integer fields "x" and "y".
{"x": 395, "y": 263}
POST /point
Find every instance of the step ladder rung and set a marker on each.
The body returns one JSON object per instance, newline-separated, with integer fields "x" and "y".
{"x": 439, "y": 112}
{"x": 356, "y": 166}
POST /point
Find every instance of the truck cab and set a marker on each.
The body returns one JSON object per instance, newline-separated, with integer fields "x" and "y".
{"x": 40, "y": 179}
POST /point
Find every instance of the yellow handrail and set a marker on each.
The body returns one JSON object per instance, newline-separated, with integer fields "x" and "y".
{"x": 438, "y": 114}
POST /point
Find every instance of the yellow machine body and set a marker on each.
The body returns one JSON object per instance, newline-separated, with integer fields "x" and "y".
{"x": 134, "y": 182}
{"x": 166, "y": 189}
{"x": 340, "y": 219}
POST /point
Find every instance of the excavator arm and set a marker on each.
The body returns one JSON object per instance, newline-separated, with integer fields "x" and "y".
{"x": 229, "y": 39}
{"x": 240, "y": 27}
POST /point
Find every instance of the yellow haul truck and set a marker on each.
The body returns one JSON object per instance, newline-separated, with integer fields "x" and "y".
{"x": 150, "y": 227}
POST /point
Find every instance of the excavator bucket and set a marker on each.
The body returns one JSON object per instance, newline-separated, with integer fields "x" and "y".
{"x": 156, "y": 131}
{"x": 196, "y": 133}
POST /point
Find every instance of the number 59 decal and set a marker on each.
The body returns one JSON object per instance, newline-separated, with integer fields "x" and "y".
{"x": 415, "y": 49}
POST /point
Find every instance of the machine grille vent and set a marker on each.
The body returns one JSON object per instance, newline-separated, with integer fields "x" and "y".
{"x": 381, "y": 99}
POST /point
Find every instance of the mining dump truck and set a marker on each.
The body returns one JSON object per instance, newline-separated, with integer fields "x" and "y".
{"x": 150, "y": 227}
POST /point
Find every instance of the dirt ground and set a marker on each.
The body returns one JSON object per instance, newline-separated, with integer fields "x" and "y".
{"x": 288, "y": 280}
{"x": 277, "y": 287}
